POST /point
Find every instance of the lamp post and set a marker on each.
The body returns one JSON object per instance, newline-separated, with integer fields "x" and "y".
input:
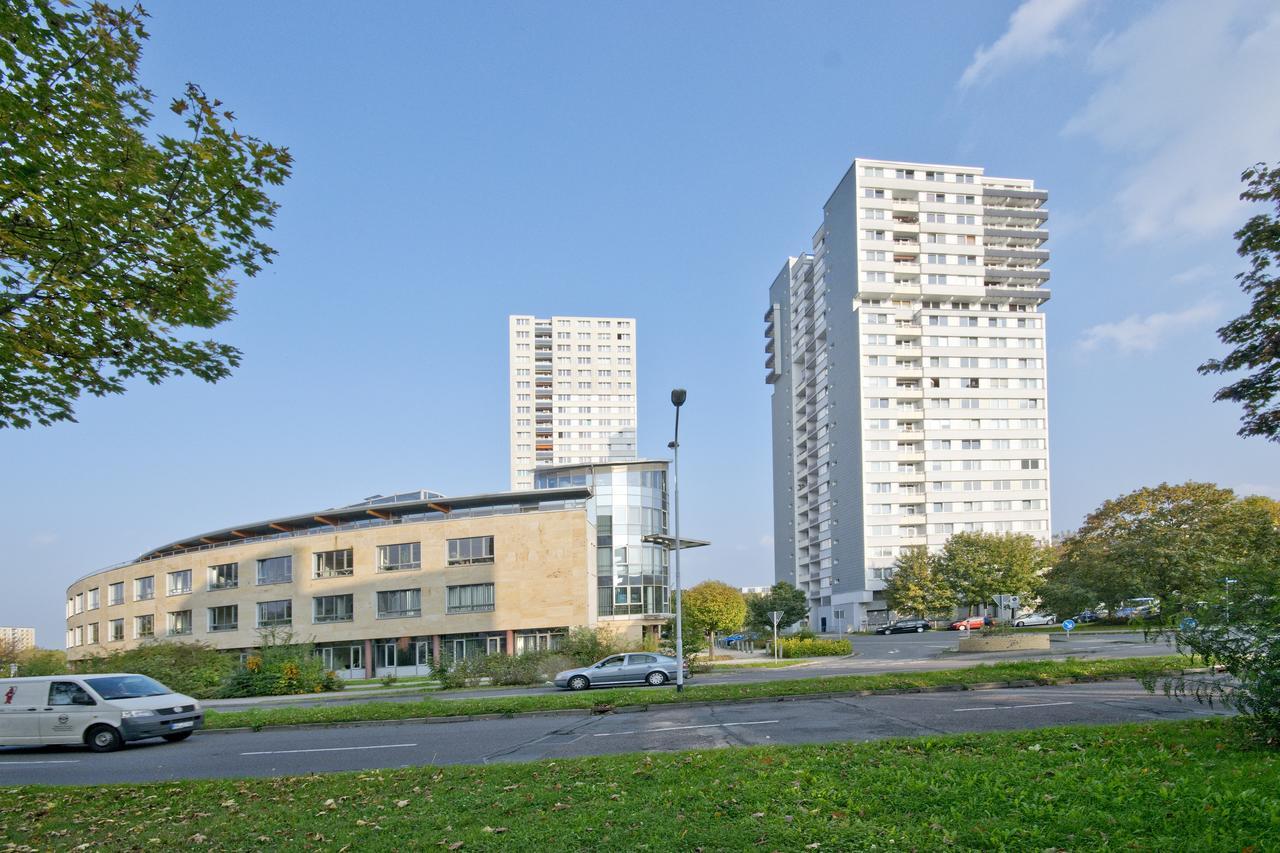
{"x": 1228, "y": 582}
{"x": 678, "y": 396}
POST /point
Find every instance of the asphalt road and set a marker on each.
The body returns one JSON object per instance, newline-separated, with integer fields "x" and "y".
{"x": 276, "y": 752}
{"x": 875, "y": 654}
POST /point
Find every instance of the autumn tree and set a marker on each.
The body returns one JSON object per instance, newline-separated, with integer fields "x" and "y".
{"x": 1255, "y": 335}
{"x": 713, "y": 607}
{"x": 783, "y": 597}
{"x": 115, "y": 241}
{"x": 977, "y": 567}
{"x": 916, "y": 587}
{"x": 1172, "y": 542}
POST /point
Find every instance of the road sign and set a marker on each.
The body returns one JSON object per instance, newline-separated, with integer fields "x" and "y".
{"x": 1189, "y": 624}
{"x": 1068, "y": 625}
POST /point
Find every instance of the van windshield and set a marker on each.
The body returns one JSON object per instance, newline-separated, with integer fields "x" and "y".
{"x": 126, "y": 686}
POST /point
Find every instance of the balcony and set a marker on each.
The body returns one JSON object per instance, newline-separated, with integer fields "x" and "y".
{"x": 1004, "y": 232}
{"x": 1032, "y": 274}
{"x": 1022, "y": 214}
{"x": 1027, "y": 195}
{"x": 995, "y": 253}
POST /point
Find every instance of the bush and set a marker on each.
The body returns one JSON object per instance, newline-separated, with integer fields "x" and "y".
{"x": 37, "y": 662}
{"x": 503, "y": 670}
{"x": 791, "y": 647}
{"x": 587, "y": 645}
{"x": 280, "y": 667}
{"x": 195, "y": 669}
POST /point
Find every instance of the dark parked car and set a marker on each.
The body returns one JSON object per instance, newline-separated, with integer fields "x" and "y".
{"x": 904, "y": 626}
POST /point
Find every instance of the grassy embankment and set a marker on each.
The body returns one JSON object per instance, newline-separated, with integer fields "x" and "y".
{"x": 1164, "y": 786}
{"x": 1038, "y": 671}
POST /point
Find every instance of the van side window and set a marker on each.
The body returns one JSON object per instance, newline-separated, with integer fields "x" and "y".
{"x": 69, "y": 693}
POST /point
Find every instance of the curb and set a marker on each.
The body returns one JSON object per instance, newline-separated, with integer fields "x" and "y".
{"x": 755, "y": 700}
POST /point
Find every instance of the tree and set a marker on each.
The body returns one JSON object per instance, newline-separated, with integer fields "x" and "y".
{"x": 782, "y": 596}
{"x": 916, "y": 587}
{"x": 977, "y": 567}
{"x": 1256, "y": 334}
{"x": 713, "y": 607}
{"x": 114, "y": 246}
{"x": 1172, "y": 542}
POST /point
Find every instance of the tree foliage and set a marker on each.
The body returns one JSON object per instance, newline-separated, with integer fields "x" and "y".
{"x": 712, "y": 607}
{"x": 977, "y": 567}
{"x": 1255, "y": 335}
{"x": 1171, "y": 542}
{"x": 917, "y": 587}
{"x": 782, "y": 596}
{"x": 113, "y": 246}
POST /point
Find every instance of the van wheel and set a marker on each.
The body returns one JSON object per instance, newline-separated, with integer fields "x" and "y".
{"x": 103, "y": 739}
{"x": 179, "y": 736}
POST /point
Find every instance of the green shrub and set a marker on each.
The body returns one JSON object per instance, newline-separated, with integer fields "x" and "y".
{"x": 281, "y": 666}
{"x": 36, "y": 662}
{"x": 195, "y": 669}
{"x": 503, "y": 670}
{"x": 587, "y": 645}
{"x": 791, "y": 647}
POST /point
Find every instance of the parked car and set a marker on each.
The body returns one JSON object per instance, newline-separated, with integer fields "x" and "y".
{"x": 633, "y": 668}
{"x": 102, "y": 712}
{"x": 1035, "y": 619}
{"x": 904, "y": 626}
{"x": 971, "y": 623}
{"x": 1090, "y": 615}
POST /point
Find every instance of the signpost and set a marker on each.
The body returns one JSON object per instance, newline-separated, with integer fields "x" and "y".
{"x": 1067, "y": 625}
{"x": 775, "y": 615}
{"x": 1189, "y": 624}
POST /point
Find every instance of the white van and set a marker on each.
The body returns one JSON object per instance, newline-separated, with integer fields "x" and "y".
{"x": 100, "y": 711}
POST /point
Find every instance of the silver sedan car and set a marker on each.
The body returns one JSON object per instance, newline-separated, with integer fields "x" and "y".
{"x": 631, "y": 668}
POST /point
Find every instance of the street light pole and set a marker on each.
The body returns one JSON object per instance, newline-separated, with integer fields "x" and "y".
{"x": 678, "y": 396}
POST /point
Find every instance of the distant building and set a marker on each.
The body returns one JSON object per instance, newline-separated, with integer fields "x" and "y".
{"x": 573, "y": 392}
{"x": 756, "y": 590}
{"x": 907, "y": 359}
{"x": 19, "y": 639}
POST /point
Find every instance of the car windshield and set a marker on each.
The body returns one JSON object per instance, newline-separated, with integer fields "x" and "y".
{"x": 126, "y": 686}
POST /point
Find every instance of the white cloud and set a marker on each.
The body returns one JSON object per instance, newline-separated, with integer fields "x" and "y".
{"x": 1032, "y": 34}
{"x": 1200, "y": 272}
{"x": 1188, "y": 95}
{"x": 1145, "y": 334}
{"x": 766, "y": 541}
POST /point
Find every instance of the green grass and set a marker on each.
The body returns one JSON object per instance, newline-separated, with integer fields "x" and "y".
{"x": 1040, "y": 671}
{"x": 721, "y": 666}
{"x": 1162, "y": 786}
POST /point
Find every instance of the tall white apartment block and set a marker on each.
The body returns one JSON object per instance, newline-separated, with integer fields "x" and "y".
{"x": 573, "y": 392}
{"x": 907, "y": 358}
{"x": 17, "y": 639}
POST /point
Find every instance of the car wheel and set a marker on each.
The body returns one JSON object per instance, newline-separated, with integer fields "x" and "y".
{"x": 579, "y": 682}
{"x": 177, "y": 736}
{"x": 1019, "y": 624}
{"x": 656, "y": 679}
{"x": 919, "y": 629}
{"x": 103, "y": 739}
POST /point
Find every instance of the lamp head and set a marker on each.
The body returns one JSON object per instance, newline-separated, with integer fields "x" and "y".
{"x": 678, "y": 396}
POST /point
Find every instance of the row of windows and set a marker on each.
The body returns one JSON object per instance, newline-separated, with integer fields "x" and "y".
{"x": 957, "y": 361}
{"x": 957, "y": 424}
{"x": 390, "y": 604}
{"x": 959, "y": 403}
{"x": 944, "y": 341}
{"x": 917, "y": 174}
{"x": 880, "y": 445}
{"x": 273, "y": 570}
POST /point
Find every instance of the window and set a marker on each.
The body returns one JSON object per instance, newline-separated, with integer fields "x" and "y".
{"x": 224, "y": 618}
{"x": 79, "y": 605}
{"x": 115, "y": 630}
{"x": 396, "y": 558}
{"x": 333, "y": 608}
{"x": 334, "y": 564}
{"x": 275, "y": 570}
{"x": 224, "y": 576}
{"x": 472, "y": 598}
{"x": 144, "y": 627}
{"x": 179, "y": 623}
{"x": 274, "y": 613}
{"x": 91, "y": 633}
{"x": 473, "y": 549}
{"x": 398, "y": 603}
{"x": 180, "y": 582}
{"x": 69, "y": 693}
{"x": 94, "y": 599}
{"x": 115, "y": 593}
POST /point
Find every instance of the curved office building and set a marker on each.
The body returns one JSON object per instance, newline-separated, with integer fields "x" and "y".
{"x": 389, "y": 585}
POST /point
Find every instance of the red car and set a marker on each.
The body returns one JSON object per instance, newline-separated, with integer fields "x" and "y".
{"x": 971, "y": 623}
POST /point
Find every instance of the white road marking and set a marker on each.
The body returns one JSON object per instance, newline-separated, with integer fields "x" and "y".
{"x": 1012, "y": 707}
{"x": 330, "y": 749}
{"x": 71, "y": 761}
{"x": 683, "y": 728}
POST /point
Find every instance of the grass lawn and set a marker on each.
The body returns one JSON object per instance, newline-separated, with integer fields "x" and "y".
{"x": 1040, "y": 671}
{"x": 1162, "y": 786}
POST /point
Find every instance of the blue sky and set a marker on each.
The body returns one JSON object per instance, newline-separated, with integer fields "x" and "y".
{"x": 458, "y": 163}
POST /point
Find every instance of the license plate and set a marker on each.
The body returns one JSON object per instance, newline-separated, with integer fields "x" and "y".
{"x": 186, "y": 724}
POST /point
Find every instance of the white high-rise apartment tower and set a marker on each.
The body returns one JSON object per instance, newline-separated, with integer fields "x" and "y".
{"x": 907, "y": 360}
{"x": 573, "y": 392}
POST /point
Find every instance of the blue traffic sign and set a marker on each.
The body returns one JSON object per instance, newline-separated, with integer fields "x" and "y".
{"x": 1068, "y": 624}
{"x": 1189, "y": 624}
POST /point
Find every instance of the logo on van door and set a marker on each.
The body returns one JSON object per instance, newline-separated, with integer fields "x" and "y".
{"x": 8, "y": 695}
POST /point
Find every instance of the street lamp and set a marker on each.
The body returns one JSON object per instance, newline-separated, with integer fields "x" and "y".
{"x": 1228, "y": 582}
{"x": 678, "y": 396}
